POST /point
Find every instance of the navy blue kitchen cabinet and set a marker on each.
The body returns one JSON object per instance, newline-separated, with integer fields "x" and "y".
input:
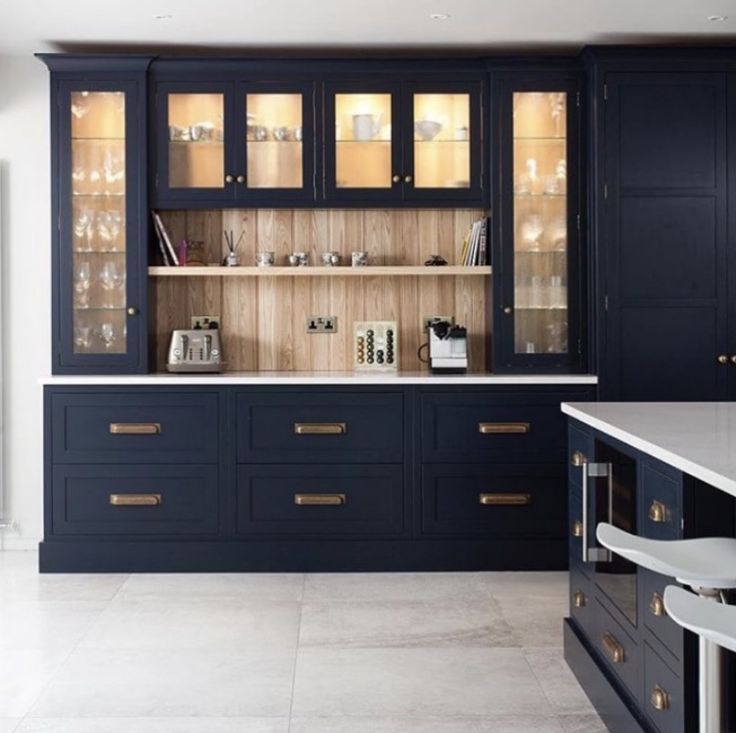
{"x": 618, "y": 638}
{"x": 538, "y": 262}
{"x": 99, "y": 221}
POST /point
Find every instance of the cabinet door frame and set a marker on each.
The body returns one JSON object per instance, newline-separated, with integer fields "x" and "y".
{"x": 330, "y": 190}
{"x": 166, "y": 195}
{"x": 134, "y": 359}
{"x": 474, "y": 193}
{"x": 277, "y": 196}
{"x": 505, "y": 358}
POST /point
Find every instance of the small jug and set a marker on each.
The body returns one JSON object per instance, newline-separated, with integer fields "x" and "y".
{"x": 366, "y": 126}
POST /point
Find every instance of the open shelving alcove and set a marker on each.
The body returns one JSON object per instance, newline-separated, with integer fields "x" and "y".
{"x": 263, "y": 311}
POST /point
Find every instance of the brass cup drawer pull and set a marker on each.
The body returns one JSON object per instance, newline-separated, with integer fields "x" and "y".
{"x": 659, "y": 698}
{"x": 577, "y": 459}
{"x": 503, "y": 428}
{"x": 320, "y": 499}
{"x": 658, "y": 512}
{"x": 135, "y": 499}
{"x": 505, "y": 499}
{"x": 577, "y": 528}
{"x": 320, "y": 428}
{"x": 135, "y": 428}
{"x": 579, "y": 600}
{"x": 614, "y": 648}
{"x": 656, "y": 605}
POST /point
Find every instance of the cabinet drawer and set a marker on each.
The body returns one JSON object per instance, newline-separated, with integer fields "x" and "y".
{"x": 134, "y": 500}
{"x": 660, "y": 509}
{"x": 134, "y": 427}
{"x": 663, "y": 694}
{"x": 617, "y": 649}
{"x": 483, "y": 427}
{"x": 666, "y": 631}
{"x": 582, "y": 603}
{"x": 493, "y": 500}
{"x": 324, "y": 427}
{"x": 321, "y": 500}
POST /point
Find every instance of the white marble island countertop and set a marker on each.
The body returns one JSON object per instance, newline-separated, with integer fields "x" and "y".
{"x": 698, "y": 438}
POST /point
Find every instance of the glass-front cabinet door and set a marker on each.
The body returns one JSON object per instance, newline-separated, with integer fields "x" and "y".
{"x": 537, "y": 268}
{"x": 443, "y": 151}
{"x": 362, "y": 142}
{"x": 98, "y": 293}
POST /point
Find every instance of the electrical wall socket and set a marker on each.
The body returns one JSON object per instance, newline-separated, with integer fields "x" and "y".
{"x": 426, "y": 320}
{"x": 205, "y": 322}
{"x": 321, "y": 324}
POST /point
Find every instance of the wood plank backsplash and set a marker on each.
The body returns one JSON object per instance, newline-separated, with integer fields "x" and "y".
{"x": 263, "y": 319}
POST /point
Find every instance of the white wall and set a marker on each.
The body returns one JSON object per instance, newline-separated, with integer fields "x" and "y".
{"x": 26, "y": 282}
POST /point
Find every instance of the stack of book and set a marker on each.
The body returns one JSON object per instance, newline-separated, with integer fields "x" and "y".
{"x": 474, "y": 250}
{"x": 168, "y": 253}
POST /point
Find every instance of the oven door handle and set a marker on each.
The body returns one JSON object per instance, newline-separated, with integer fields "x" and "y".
{"x": 594, "y": 471}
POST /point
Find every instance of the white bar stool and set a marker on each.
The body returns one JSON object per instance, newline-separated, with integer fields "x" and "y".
{"x": 708, "y": 566}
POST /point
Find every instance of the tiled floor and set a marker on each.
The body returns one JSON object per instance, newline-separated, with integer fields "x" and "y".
{"x": 406, "y": 653}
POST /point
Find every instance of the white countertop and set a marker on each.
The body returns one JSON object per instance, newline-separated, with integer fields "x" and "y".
{"x": 698, "y": 438}
{"x": 320, "y": 378}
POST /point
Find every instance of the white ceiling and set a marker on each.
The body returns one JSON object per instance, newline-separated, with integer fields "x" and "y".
{"x": 48, "y": 25}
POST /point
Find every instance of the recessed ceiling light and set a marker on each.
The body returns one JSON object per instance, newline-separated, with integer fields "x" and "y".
{"x": 717, "y": 18}
{"x": 439, "y": 16}
{"x": 162, "y": 16}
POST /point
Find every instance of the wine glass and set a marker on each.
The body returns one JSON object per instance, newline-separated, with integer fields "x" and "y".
{"x": 108, "y": 334}
{"x": 82, "y": 280}
{"x": 112, "y": 280}
{"x": 83, "y": 230}
{"x": 530, "y": 230}
{"x": 109, "y": 226}
{"x": 82, "y": 337}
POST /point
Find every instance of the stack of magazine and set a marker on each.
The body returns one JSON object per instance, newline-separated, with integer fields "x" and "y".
{"x": 168, "y": 253}
{"x": 474, "y": 250}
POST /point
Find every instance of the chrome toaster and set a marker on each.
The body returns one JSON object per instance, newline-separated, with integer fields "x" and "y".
{"x": 195, "y": 350}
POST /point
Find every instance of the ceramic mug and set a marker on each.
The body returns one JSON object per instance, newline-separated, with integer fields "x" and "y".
{"x": 265, "y": 259}
{"x": 299, "y": 259}
{"x": 360, "y": 259}
{"x": 330, "y": 259}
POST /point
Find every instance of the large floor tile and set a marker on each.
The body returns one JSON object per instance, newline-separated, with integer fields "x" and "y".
{"x": 23, "y": 675}
{"x": 558, "y": 682}
{"x": 154, "y": 725}
{"x": 97, "y": 683}
{"x": 133, "y": 623}
{"x": 239, "y": 586}
{"x": 545, "y": 585}
{"x": 9, "y": 725}
{"x": 28, "y": 585}
{"x": 536, "y": 622}
{"x": 582, "y": 724}
{"x": 414, "y": 682}
{"x": 493, "y": 724}
{"x": 386, "y": 587}
{"x": 405, "y": 624}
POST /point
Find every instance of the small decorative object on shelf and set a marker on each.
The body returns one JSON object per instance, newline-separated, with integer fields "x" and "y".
{"x": 330, "y": 259}
{"x": 435, "y": 261}
{"x": 232, "y": 259}
{"x": 265, "y": 259}
{"x": 299, "y": 259}
{"x": 359, "y": 259}
{"x": 375, "y": 346}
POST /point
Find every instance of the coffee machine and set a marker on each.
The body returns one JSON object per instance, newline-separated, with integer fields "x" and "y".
{"x": 448, "y": 347}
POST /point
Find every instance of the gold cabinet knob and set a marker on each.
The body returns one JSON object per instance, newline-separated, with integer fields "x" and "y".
{"x": 577, "y": 459}
{"x": 658, "y": 512}
{"x": 659, "y": 698}
{"x": 508, "y": 310}
{"x": 133, "y": 311}
{"x": 578, "y": 599}
{"x": 229, "y": 178}
{"x": 733, "y": 359}
{"x": 722, "y": 359}
{"x": 407, "y": 179}
{"x": 396, "y": 179}
{"x": 240, "y": 179}
{"x": 577, "y": 528}
{"x": 656, "y": 605}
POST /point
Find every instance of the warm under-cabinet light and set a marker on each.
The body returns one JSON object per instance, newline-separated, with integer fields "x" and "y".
{"x": 717, "y": 18}
{"x": 439, "y": 16}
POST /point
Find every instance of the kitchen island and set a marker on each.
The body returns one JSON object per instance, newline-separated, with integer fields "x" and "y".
{"x": 665, "y": 471}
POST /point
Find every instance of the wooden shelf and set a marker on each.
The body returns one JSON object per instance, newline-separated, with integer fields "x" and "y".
{"x": 316, "y": 271}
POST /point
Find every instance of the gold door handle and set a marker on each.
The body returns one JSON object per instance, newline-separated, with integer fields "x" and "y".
{"x": 396, "y": 179}
{"x": 240, "y": 179}
{"x": 577, "y": 459}
{"x": 503, "y": 428}
{"x": 320, "y": 428}
{"x": 722, "y": 359}
{"x": 320, "y": 499}
{"x": 407, "y": 179}
{"x": 579, "y": 600}
{"x": 508, "y": 310}
{"x": 505, "y": 499}
{"x": 132, "y": 311}
{"x": 659, "y": 698}
{"x": 614, "y": 648}
{"x": 135, "y": 428}
{"x": 229, "y": 178}
{"x": 135, "y": 499}
{"x": 577, "y": 528}
{"x": 658, "y": 512}
{"x": 656, "y": 605}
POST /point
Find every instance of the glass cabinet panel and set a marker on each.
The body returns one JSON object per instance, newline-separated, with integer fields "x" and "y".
{"x": 363, "y": 141}
{"x": 196, "y": 140}
{"x": 98, "y": 184}
{"x": 274, "y": 142}
{"x": 540, "y": 215}
{"x": 442, "y": 140}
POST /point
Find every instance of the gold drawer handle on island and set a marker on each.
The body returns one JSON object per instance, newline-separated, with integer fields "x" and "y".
{"x": 579, "y": 600}
{"x": 658, "y": 512}
{"x": 503, "y": 428}
{"x": 614, "y": 648}
{"x": 320, "y": 428}
{"x": 135, "y": 499}
{"x": 135, "y": 428}
{"x": 656, "y": 605}
{"x": 578, "y": 459}
{"x": 320, "y": 499}
{"x": 659, "y": 698}
{"x": 577, "y": 528}
{"x": 505, "y": 499}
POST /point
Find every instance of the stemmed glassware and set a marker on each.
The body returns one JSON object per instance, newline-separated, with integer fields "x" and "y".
{"x": 82, "y": 281}
{"x": 109, "y": 226}
{"x": 82, "y": 337}
{"x": 112, "y": 279}
{"x": 108, "y": 334}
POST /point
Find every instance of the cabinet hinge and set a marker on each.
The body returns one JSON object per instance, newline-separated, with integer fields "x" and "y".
{"x": 682, "y": 524}
{"x": 577, "y": 221}
{"x": 605, "y": 92}
{"x": 605, "y": 302}
{"x": 577, "y": 99}
{"x": 580, "y": 347}
{"x": 605, "y": 190}
{"x": 156, "y": 180}
{"x": 58, "y": 222}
